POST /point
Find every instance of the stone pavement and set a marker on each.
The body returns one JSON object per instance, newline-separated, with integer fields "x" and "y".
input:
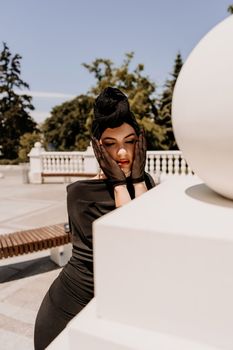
{"x": 25, "y": 206}
{"x": 19, "y": 303}
{"x": 24, "y": 280}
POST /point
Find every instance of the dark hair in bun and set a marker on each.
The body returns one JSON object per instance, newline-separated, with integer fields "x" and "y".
{"x": 111, "y": 110}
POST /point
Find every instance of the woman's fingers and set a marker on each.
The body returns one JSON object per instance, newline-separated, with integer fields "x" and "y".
{"x": 96, "y": 148}
{"x": 105, "y": 154}
{"x": 144, "y": 141}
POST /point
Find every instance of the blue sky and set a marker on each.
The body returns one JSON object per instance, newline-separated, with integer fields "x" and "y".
{"x": 56, "y": 36}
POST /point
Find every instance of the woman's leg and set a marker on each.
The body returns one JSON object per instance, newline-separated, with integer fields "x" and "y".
{"x": 49, "y": 323}
{"x": 52, "y": 317}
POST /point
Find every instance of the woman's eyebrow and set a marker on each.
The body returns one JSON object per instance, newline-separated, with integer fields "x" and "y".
{"x": 132, "y": 134}
{"x": 112, "y": 138}
{"x": 108, "y": 138}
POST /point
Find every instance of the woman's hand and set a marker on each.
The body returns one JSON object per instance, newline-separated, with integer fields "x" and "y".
{"x": 109, "y": 166}
{"x": 138, "y": 167}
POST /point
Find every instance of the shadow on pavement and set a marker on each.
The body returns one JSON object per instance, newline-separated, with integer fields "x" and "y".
{"x": 25, "y": 269}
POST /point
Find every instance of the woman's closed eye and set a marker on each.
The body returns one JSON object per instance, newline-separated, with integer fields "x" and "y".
{"x": 131, "y": 141}
{"x": 109, "y": 144}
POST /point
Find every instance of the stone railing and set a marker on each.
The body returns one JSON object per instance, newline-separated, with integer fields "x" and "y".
{"x": 67, "y": 163}
{"x": 79, "y": 164}
{"x": 167, "y": 163}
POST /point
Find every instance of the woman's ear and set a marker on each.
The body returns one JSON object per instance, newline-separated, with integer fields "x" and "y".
{"x": 100, "y": 141}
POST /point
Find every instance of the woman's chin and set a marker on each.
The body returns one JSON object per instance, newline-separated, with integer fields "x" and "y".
{"x": 126, "y": 172}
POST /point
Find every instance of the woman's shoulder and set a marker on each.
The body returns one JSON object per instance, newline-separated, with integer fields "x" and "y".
{"x": 83, "y": 185}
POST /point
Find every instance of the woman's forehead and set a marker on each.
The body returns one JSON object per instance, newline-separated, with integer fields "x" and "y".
{"x": 119, "y": 132}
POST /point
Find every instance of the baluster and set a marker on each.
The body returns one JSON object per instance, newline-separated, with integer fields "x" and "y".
{"x": 170, "y": 164}
{"x": 79, "y": 161}
{"x": 157, "y": 164}
{"x": 164, "y": 163}
{"x": 76, "y": 163}
{"x": 52, "y": 163}
{"x": 176, "y": 164}
{"x": 148, "y": 163}
{"x": 58, "y": 163}
{"x": 154, "y": 164}
{"x": 48, "y": 163}
{"x": 183, "y": 166}
{"x": 71, "y": 164}
{"x": 44, "y": 167}
{"x": 56, "y": 166}
{"x": 67, "y": 163}
{"x": 83, "y": 163}
{"x": 188, "y": 169}
{"x": 62, "y": 164}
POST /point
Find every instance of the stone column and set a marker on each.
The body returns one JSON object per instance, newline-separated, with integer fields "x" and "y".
{"x": 35, "y": 164}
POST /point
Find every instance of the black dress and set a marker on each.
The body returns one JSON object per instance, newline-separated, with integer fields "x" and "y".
{"x": 87, "y": 200}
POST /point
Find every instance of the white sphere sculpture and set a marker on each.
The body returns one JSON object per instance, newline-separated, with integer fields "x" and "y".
{"x": 202, "y": 109}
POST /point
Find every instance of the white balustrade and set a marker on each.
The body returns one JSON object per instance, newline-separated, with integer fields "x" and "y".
{"x": 66, "y": 162}
{"x": 43, "y": 163}
{"x": 167, "y": 163}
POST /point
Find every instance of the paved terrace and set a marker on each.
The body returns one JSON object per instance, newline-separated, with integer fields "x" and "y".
{"x": 24, "y": 280}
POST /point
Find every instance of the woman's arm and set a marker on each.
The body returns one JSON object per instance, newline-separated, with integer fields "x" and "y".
{"x": 121, "y": 195}
{"x": 140, "y": 188}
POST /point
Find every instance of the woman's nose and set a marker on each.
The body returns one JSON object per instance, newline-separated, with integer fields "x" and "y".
{"x": 121, "y": 151}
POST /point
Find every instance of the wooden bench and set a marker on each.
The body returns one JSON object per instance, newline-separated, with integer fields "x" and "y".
{"x": 67, "y": 176}
{"x": 34, "y": 240}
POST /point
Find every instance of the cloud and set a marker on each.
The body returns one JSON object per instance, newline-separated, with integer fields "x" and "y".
{"x": 45, "y": 94}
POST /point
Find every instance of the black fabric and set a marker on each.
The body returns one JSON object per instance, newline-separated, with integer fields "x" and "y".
{"x": 87, "y": 200}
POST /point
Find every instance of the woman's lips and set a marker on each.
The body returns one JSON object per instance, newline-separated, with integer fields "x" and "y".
{"x": 123, "y": 162}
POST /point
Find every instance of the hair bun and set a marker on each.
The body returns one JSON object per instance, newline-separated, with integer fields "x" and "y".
{"x": 111, "y": 109}
{"x": 111, "y": 101}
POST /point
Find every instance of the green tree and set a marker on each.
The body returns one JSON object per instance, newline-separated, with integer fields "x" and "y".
{"x": 67, "y": 129}
{"x": 139, "y": 89}
{"x": 15, "y": 119}
{"x": 230, "y": 9}
{"x": 164, "y": 106}
{"x": 26, "y": 143}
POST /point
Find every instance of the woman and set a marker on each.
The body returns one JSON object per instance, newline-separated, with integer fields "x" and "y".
{"x": 121, "y": 152}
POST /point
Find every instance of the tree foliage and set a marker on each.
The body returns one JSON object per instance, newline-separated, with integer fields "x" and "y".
{"x": 68, "y": 128}
{"x": 164, "y": 106}
{"x": 15, "y": 119}
{"x": 26, "y": 143}
{"x": 139, "y": 89}
{"x": 230, "y": 9}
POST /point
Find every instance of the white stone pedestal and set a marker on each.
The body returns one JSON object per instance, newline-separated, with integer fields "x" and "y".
{"x": 61, "y": 255}
{"x": 164, "y": 271}
{"x": 35, "y": 164}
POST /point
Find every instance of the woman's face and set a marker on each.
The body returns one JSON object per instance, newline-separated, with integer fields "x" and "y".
{"x": 120, "y": 143}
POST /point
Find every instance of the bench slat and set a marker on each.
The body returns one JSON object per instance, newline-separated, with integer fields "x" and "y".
{"x": 14, "y": 242}
{"x": 23, "y": 242}
{"x": 5, "y": 251}
{"x": 18, "y": 238}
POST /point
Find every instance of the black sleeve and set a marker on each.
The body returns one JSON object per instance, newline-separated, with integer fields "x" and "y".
{"x": 149, "y": 181}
